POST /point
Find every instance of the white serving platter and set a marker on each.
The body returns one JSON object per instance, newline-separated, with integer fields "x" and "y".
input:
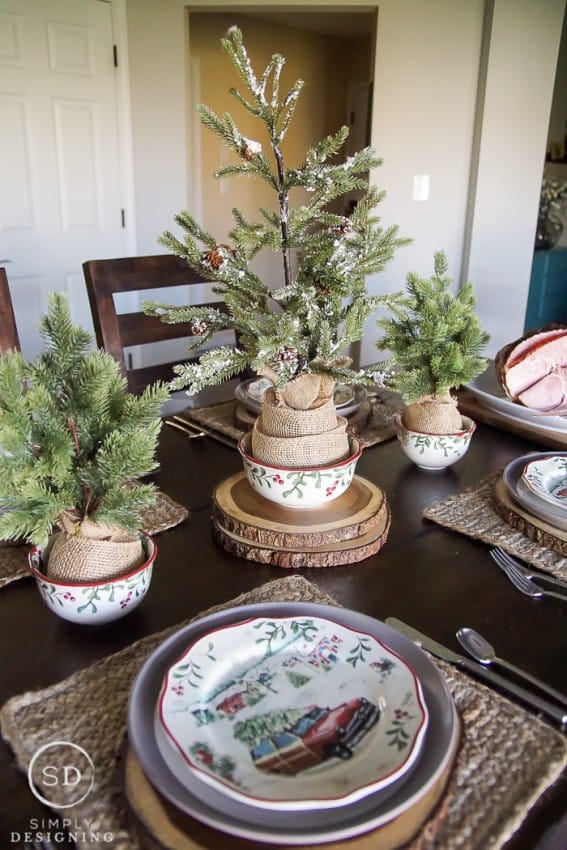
{"x": 487, "y": 389}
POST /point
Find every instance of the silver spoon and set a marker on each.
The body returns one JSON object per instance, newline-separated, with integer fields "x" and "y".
{"x": 484, "y": 652}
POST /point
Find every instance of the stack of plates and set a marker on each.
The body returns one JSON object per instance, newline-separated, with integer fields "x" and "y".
{"x": 292, "y": 723}
{"x": 538, "y": 482}
{"x": 347, "y": 398}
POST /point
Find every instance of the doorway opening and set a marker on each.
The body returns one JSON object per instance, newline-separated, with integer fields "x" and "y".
{"x": 331, "y": 50}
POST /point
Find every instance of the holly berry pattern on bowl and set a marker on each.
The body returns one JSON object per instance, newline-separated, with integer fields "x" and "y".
{"x": 299, "y": 488}
{"x": 434, "y": 452}
{"x": 94, "y": 603}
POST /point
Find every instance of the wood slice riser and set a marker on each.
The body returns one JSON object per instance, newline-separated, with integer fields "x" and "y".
{"x": 345, "y": 531}
{"x": 295, "y": 560}
{"x": 239, "y": 510}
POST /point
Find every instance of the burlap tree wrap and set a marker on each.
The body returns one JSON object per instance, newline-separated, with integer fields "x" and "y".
{"x": 280, "y": 420}
{"x": 304, "y": 392}
{"x": 433, "y": 415}
{"x": 89, "y": 551}
{"x": 289, "y": 435}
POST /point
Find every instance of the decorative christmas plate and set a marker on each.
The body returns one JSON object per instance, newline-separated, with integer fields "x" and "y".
{"x": 293, "y": 713}
{"x": 257, "y": 387}
{"x": 547, "y": 479}
{"x": 235, "y": 817}
{"x": 519, "y": 490}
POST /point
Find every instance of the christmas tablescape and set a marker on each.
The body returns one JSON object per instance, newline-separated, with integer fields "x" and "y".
{"x": 239, "y": 707}
{"x": 501, "y": 745}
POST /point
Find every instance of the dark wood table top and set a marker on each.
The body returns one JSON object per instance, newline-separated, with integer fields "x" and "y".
{"x": 432, "y": 578}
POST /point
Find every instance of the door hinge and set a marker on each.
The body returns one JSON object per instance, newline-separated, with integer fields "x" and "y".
{"x": 123, "y": 217}
{"x": 115, "y": 55}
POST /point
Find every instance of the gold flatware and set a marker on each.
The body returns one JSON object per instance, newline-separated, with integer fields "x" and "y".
{"x": 192, "y": 435}
{"x": 193, "y": 429}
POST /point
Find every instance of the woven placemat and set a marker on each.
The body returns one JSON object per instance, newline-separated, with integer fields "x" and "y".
{"x": 375, "y": 427}
{"x": 506, "y": 760}
{"x": 13, "y": 563}
{"x": 473, "y": 512}
{"x": 164, "y": 514}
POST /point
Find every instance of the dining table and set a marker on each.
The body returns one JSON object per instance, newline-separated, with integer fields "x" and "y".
{"x": 425, "y": 574}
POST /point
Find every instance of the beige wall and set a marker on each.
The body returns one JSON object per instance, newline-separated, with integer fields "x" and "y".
{"x": 558, "y": 118}
{"x": 426, "y": 80}
{"x": 483, "y": 156}
{"x": 522, "y": 46}
{"x": 158, "y": 96}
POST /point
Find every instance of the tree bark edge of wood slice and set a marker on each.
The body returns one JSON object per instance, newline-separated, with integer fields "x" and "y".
{"x": 339, "y": 553}
{"x": 521, "y": 520}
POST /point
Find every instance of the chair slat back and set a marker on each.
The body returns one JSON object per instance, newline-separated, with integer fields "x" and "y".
{"x": 116, "y": 331}
{"x": 8, "y": 331}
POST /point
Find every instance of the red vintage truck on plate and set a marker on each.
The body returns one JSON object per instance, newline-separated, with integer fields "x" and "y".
{"x": 319, "y": 734}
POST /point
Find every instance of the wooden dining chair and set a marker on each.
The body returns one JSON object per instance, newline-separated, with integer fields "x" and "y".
{"x": 8, "y": 331}
{"x": 116, "y": 331}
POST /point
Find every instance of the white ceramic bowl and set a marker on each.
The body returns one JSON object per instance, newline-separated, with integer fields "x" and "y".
{"x": 299, "y": 488}
{"x": 94, "y": 603}
{"x": 435, "y": 451}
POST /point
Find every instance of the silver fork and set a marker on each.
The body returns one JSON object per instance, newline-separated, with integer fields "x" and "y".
{"x": 539, "y": 578}
{"x": 519, "y": 579}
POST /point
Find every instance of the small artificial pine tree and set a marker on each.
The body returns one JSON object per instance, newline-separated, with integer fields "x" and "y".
{"x": 73, "y": 440}
{"x": 321, "y": 309}
{"x": 434, "y": 338}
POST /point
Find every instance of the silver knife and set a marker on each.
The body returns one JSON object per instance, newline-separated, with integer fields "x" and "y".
{"x": 507, "y": 686}
{"x": 546, "y": 581}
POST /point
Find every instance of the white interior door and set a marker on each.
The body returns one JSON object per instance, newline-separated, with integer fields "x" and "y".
{"x": 60, "y": 195}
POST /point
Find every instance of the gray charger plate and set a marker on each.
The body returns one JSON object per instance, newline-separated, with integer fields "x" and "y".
{"x": 303, "y": 827}
{"x": 512, "y": 476}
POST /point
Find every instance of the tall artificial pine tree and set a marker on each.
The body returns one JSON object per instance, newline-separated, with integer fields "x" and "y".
{"x": 309, "y": 323}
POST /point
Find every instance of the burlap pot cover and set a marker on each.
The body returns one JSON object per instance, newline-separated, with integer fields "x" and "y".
{"x": 77, "y": 557}
{"x": 433, "y": 416}
{"x": 310, "y": 450}
{"x": 279, "y": 420}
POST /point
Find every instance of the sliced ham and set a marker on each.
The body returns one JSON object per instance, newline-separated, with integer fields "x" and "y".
{"x": 549, "y": 394}
{"x": 533, "y": 369}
